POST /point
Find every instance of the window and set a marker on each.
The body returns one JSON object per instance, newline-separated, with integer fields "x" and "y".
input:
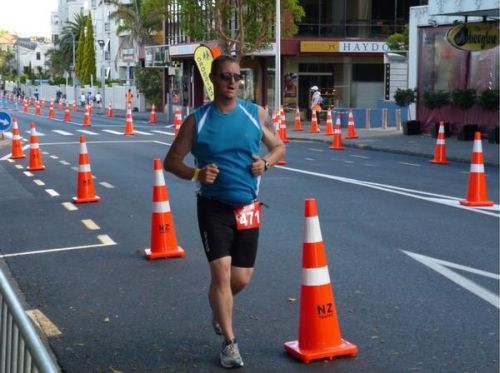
{"x": 368, "y": 72}
{"x": 38, "y": 56}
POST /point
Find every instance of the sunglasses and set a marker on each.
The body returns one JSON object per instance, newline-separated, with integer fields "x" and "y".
{"x": 228, "y": 77}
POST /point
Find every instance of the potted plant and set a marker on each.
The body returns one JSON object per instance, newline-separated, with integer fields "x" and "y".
{"x": 435, "y": 100}
{"x": 489, "y": 101}
{"x": 403, "y": 98}
{"x": 464, "y": 99}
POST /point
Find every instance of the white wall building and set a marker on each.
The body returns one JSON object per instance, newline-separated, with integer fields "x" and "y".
{"x": 31, "y": 51}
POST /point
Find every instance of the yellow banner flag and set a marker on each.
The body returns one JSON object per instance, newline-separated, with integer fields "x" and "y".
{"x": 203, "y": 58}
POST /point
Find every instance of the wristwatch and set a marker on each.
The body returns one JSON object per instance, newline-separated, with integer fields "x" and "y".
{"x": 267, "y": 166}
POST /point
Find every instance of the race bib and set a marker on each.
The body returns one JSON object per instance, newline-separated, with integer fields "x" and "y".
{"x": 248, "y": 217}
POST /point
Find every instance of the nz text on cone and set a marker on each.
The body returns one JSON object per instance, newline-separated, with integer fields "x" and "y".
{"x": 319, "y": 332}
{"x": 36, "y": 163}
{"x": 85, "y": 189}
{"x": 477, "y": 194}
{"x": 17, "y": 148}
{"x": 163, "y": 239}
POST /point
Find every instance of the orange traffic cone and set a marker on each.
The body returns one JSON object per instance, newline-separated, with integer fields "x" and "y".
{"x": 440, "y": 149}
{"x": 163, "y": 239}
{"x": 337, "y": 136}
{"x": 319, "y": 332}
{"x": 67, "y": 117}
{"x": 85, "y": 190}
{"x": 284, "y": 136}
{"x": 314, "y": 122}
{"x": 73, "y": 106}
{"x": 177, "y": 120}
{"x": 298, "y": 124}
{"x": 91, "y": 107}
{"x": 51, "y": 110}
{"x": 86, "y": 117}
{"x": 38, "y": 111}
{"x": 152, "y": 115}
{"x": 25, "y": 106}
{"x": 129, "y": 124}
{"x": 17, "y": 149}
{"x": 110, "y": 110}
{"x": 43, "y": 104}
{"x": 351, "y": 128}
{"x": 60, "y": 105}
{"x": 329, "y": 123}
{"x": 477, "y": 194}
{"x": 36, "y": 163}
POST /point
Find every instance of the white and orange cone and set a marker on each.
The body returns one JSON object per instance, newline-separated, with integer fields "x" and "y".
{"x": 25, "y": 106}
{"x": 177, "y": 120}
{"x": 86, "y": 117}
{"x": 85, "y": 188}
{"x": 337, "y": 136}
{"x": 67, "y": 116}
{"x": 477, "y": 193}
{"x": 36, "y": 163}
{"x": 152, "y": 114}
{"x": 51, "y": 110}
{"x": 283, "y": 133}
{"x": 17, "y": 148}
{"x": 129, "y": 124}
{"x": 60, "y": 105}
{"x": 297, "y": 126}
{"x": 110, "y": 109}
{"x": 163, "y": 238}
{"x": 329, "y": 123}
{"x": 38, "y": 110}
{"x": 351, "y": 128}
{"x": 440, "y": 148}
{"x": 73, "y": 106}
{"x": 314, "y": 122}
{"x": 319, "y": 331}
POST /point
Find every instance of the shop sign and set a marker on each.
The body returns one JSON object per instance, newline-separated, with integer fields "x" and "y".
{"x": 344, "y": 46}
{"x": 473, "y": 36}
{"x": 319, "y": 46}
{"x": 203, "y": 58}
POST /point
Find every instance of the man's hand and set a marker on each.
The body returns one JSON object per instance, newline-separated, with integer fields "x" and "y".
{"x": 258, "y": 165}
{"x": 208, "y": 174}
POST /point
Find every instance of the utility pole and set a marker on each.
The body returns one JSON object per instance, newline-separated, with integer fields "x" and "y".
{"x": 277, "y": 68}
{"x": 73, "y": 67}
{"x": 102, "y": 43}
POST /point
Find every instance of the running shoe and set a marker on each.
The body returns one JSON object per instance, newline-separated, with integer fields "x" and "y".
{"x": 230, "y": 355}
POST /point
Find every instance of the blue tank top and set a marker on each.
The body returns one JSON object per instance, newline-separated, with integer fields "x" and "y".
{"x": 229, "y": 140}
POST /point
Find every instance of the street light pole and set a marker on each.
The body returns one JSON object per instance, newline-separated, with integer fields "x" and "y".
{"x": 103, "y": 71}
{"x": 73, "y": 72}
{"x": 277, "y": 68}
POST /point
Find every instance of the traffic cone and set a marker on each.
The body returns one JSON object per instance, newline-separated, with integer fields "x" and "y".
{"x": 86, "y": 117}
{"x": 477, "y": 194}
{"x": 36, "y": 163}
{"x": 85, "y": 189}
{"x": 38, "y": 111}
{"x": 152, "y": 115}
{"x": 43, "y": 104}
{"x": 163, "y": 239}
{"x": 314, "y": 122}
{"x": 319, "y": 331}
{"x": 351, "y": 128}
{"x": 17, "y": 149}
{"x": 110, "y": 110}
{"x": 337, "y": 136}
{"x": 73, "y": 106}
{"x": 26, "y": 107}
{"x": 177, "y": 120}
{"x": 129, "y": 124}
{"x": 91, "y": 107}
{"x": 51, "y": 110}
{"x": 67, "y": 117}
{"x": 60, "y": 105}
{"x": 298, "y": 124}
{"x": 284, "y": 136}
{"x": 440, "y": 149}
{"x": 329, "y": 123}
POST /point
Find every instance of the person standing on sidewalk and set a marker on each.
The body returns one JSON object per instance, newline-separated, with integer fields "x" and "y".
{"x": 224, "y": 136}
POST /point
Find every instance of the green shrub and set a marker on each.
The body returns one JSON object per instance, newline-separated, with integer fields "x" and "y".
{"x": 463, "y": 98}
{"x": 404, "y": 97}
{"x": 488, "y": 99}
{"x": 435, "y": 100}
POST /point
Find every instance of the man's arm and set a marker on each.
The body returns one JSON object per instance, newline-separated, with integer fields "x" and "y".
{"x": 276, "y": 148}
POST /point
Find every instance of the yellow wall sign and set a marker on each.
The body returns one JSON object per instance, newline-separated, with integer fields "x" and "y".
{"x": 319, "y": 46}
{"x": 474, "y": 36}
{"x": 203, "y": 58}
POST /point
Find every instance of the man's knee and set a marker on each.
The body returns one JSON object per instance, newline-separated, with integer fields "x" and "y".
{"x": 220, "y": 270}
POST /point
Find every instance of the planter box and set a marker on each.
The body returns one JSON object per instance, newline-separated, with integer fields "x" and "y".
{"x": 467, "y": 132}
{"x": 411, "y": 127}
{"x": 435, "y": 130}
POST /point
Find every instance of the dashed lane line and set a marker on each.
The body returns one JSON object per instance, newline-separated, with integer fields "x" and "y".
{"x": 64, "y": 163}
{"x": 52, "y": 192}
{"x": 38, "y": 182}
{"x": 113, "y": 132}
{"x": 359, "y": 156}
{"x": 106, "y": 185}
{"x": 90, "y": 224}
{"x": 28, "y": 173}
{"x": 88, "y": 132}
{"x": 61, "y": 132}
{"x": 69, "y": 206}
{"x": 143, "y": 133}
{"x": 19, "y": 167}
{"x": 104, "y": 239}
{"x": 163, "y": 132}
{"x": 317, "y": 150}
{"x": 54, "y": 157}
{"x": 410, "y": 164}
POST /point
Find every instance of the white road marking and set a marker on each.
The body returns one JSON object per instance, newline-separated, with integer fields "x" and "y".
{"x": 88, "y": 132}
{"x": 36, "y": 133}
{"x": 52, "y": 192}
{"x": 74, "y": 169}
{"x": 443, "y": 268}
{"x": 163, "y": 132}
{"x": 64, "y": 163}
{"x": 18, "y": 166}
{"x": 143, "y": 133}
{"x": 113, "y": 132}
{"x": 309, "y": 159}
{"x": 401, "y": 191}
{"x": 45, "y": 153}
{"x": 162, "y": 143}
{"x": 104, "y": 142}
{"x": 54, "y": 157}
{"x": 358, "y": 156}
{"x": 106, "y": 185}
{"x": 44, "y": 324}
{"x": 61, "y": 132}
{"x": 316, "y": 150}
{"x": 39, "y": 182}
{"x": 28, "y": 173}
{"x": 10, "y": 160}
{"x": 104, "y": 239}
{"x": 410, "y": 164}
{"x": 350, "y": 162}
{"x": 69, "y": 206}
{"x": 369, "y": 165}
{"x": 89, "y": 223}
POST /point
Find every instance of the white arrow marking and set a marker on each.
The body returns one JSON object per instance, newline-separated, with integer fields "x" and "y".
{"x": 443, "y": 267}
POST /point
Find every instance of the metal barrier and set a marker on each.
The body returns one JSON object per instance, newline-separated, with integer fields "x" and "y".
{"x": 21, "y": 349}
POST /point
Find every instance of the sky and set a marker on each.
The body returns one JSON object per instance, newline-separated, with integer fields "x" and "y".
{"x": 27, "y": 17}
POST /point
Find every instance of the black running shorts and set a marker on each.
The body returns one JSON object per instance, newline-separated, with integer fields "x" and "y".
{"x": 220, "y": 237}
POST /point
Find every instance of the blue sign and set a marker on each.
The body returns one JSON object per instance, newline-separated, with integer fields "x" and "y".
{"x": 5, "y": 121}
